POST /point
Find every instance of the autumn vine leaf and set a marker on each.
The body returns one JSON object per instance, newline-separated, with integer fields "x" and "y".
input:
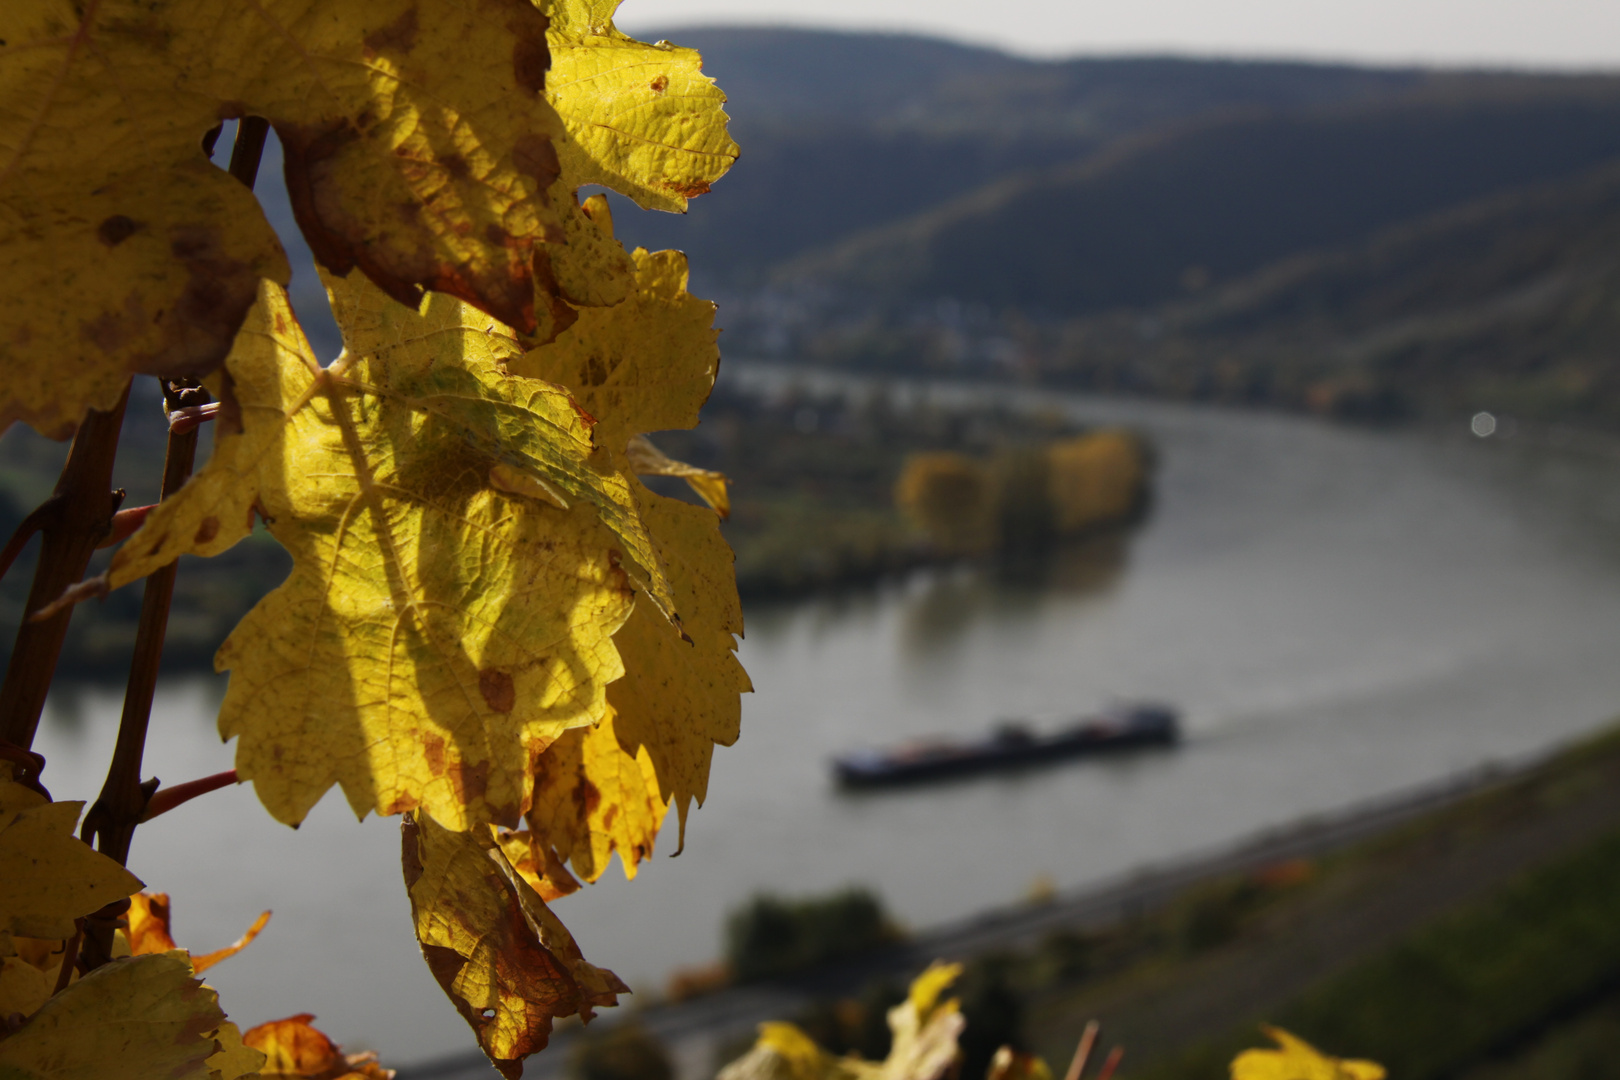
{"x": 1296, "y": 1059}
{"x": 137, "y": 1017}
{"x": 52, "y": 877}
{"x": 680, "y": 696}
{"x": 924, "y": 1029}
{"x": 647, "y": 364}
{"x": 592, "y": 798}
{"x": 506, "y": 962}
{"x": 446, "y": 617}
{"x": 641, "y": 119}
{"x": 474, "y": 560}
{"x": 294, "y": 1049}
{"x": 149, "y": 931}
{"x": 422, "y": 146}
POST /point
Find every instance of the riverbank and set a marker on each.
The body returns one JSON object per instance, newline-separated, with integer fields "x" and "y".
{"x": 1179, "y": 962}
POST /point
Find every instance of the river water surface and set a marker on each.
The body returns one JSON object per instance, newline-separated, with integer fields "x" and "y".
{"x": 1340, "y": 613}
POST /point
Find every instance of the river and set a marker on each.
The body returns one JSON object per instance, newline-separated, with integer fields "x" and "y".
{"x": 1341, "y": 614}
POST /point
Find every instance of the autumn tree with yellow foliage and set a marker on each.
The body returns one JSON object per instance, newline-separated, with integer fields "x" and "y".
{"x": 491, "y": 627}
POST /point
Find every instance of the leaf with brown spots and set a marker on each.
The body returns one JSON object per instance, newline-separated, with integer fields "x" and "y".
{"x": 647, "y": 364}
{"x": 461, "y": 558}
{"x": 420, "y": 147}
{"x": 641, "y": 119}
{"x": 592, "y": 798}
{"x": 507, "y": 963}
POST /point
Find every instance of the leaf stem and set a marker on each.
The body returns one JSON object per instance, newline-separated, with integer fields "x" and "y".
{"x": 85, "y": 504}
{"x": 165, "y": 799}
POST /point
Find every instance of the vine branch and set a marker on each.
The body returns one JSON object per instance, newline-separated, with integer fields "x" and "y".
{"x": 124, "y": 798}
{"x": 84, "y": 506}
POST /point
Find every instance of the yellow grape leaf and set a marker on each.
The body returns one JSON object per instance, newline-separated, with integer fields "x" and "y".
{"x": 151, "y": 273}
{"x": 647, "y": 460}
{"x": 293, "y": 1049}
{"x": 783, "y": 1052}
{"x": 590, "y": 267}
{"x": 593, "y": 798}
{"x": 130, "y": 1019}
{"x": 437, "y": 631}
{"x": 925, "y": 1027}
{"x": 420, "y": 146}
{"x": 51, "y": 876}
{"x": 232, "y": 1060}
{"x": 506, "y": 962}
{"x": 680, "y": 693}
{"x": 641, "y": 119}
{"x": 646, "y": 364}
{"x": 121, "y": 248}
{"x": 1296, "y": 1059}
{"x": 925, "y": 1033}
{"x": 23, "y": 987}
{"x": 417, "y": 144}
{"x": 148, "y": 932}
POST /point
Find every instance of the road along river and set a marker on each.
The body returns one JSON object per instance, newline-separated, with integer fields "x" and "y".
{"x": 1342, "y": 614}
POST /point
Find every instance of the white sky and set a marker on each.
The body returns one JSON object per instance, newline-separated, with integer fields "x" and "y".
{"x": 1519, "y": 33}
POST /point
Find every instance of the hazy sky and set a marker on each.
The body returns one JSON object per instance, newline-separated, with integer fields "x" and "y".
{"x": 1534, "y": 33}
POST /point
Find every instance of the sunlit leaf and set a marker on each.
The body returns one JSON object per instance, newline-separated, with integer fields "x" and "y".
{"x": 149, "y": 931}
{"x": 506, "y": 962}
{"x": 647, "y": 460}
{"x": 679, "y": 697}
{"x": 647, "y": 364}
{"x": 641, "y": 119}
{"x": 592, "y": 798}
{"x": 438, "y": 629}
{"x": 1296, "y": 1059}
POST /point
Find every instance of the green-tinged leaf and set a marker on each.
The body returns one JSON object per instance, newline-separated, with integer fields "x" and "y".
{"x": 443, "y": 622}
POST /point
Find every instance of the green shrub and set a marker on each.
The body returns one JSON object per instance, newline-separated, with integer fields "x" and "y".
{"x": 772, "y": 936}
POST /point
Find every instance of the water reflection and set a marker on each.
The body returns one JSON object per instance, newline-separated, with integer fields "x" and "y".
{"x": 942, "y": 606}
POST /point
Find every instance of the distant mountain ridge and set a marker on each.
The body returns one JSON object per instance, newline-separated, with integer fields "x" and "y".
{"x": 860, "y": 152}
{"x": 841, "y": 133}
{"x": 1219, "y": 198}
{"x": 1509, "y": 303}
